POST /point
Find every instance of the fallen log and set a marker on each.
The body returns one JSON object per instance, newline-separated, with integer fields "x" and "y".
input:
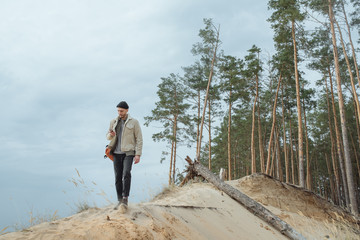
{"x": 184, "y": 206}
{"x": 250, "y": 204}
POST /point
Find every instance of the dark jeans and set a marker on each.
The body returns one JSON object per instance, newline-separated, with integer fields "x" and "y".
{"x": 122, "y": 168}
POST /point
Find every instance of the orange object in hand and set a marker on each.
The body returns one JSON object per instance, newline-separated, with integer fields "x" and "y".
{"x": 108, "y": 154}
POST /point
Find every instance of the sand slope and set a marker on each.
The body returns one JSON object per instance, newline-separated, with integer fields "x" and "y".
{"x": 311, "y": 215}
{"x": 199, "y": 211}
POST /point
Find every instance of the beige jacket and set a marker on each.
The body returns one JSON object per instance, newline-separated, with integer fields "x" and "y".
{"x": 131, "y": 137}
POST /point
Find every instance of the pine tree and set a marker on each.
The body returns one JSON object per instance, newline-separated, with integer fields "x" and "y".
{"x": 198, "y": 78}
{"x": 252, "y": 74}
{"x": 195, "y": 82}
{"x": 355, "y": 16}
{"x": 232, "y": 86}
{"x": 348, "y": 165}
{"x": 170, "y": 111}
{"x": 284, "y": 19}
{"x": 320, "y": 50}
{"x": 357, "y": 4}
{"x": 208, "y": 51}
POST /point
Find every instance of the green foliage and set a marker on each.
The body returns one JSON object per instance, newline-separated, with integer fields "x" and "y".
{"x": 205, "y": 48}
{"x": 170, "y": 110}
{"x": 253, "y": 62}
{"x": 241, "y": 75}
{"x": 233, "y": 81}
{"x": 355, "y": 16}
{"x": 253, "y": 69}
{"x": 320, "y": 50}
{"x": 285, "y": 11}
{"x": 196, "y": 78}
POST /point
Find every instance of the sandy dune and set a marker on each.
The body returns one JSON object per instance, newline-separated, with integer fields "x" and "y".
{"x": 199, "y": 211}
{"x": 311, "y": 215}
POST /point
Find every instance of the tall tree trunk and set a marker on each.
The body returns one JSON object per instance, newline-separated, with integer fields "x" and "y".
{"x": 253, "y": 156}
{"x": 175, "y": 147}
{"x": 278, "y": 157}
{"x": 287, "y": 175}
{"x": 308, "y": 166}
{"x": 296, "y": 158}
{"x": 300, "y": 130}
{"x": 358, "y": 134}
{"x": 351, "y": 43}
{"x": 355, "y": 153}
{"x": 333, "y": 196}
{"x": 291, "y": 153}
{"x": 272, "y": 127}
{"x": 338, "y": 143}
{"x": 349, "y": 173}
{"x": 236, "y": 172}
{"x": 175, "y": 140}
{"x": 209, "y": 134}
{"x": 272, "y": 167}
{"x": 174, "y": 163}
{"x": 261, "y": 144}
{"x": 356, "y": 99}
{"x": 207, "y": 94}
{"x": 198, "y": 120}
{"x": 171, "y": 157}
{"x": 334, "y": 164}
{"x": 274, "y": 157}
{"x": 319, "y": 181}
{"x": 229, "y": 138}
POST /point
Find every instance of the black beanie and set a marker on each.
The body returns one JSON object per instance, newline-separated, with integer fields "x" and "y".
{"x": 123, "y": 104}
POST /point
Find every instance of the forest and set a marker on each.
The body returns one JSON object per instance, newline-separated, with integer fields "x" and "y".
{"x": 260, "y": 113}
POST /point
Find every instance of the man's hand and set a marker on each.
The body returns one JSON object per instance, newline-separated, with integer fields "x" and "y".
{"x": 112, "y": 133}
{"x": 136, "y": 159}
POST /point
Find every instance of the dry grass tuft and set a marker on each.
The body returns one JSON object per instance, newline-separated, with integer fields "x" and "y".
{"x": 2, "y": 232}
{"x": 87, "y": 190}
{"x": 82, "y": 206}
{"x": 35, "y": 219}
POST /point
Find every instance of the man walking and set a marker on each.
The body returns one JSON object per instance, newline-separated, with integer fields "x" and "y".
{"x": 126, "y": 146}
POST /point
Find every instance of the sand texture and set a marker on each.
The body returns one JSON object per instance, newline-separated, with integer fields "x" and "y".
{"x": 199, "y": 211}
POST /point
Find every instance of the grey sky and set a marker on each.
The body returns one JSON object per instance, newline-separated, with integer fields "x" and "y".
{"x": 64, "y": 65}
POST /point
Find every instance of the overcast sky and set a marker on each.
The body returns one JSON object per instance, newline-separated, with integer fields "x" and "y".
{"x": 64, "y": 66}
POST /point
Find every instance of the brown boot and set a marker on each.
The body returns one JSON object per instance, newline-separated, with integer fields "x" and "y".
{"x": 118, "y": 204}
{"x": 125, "y": 201}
